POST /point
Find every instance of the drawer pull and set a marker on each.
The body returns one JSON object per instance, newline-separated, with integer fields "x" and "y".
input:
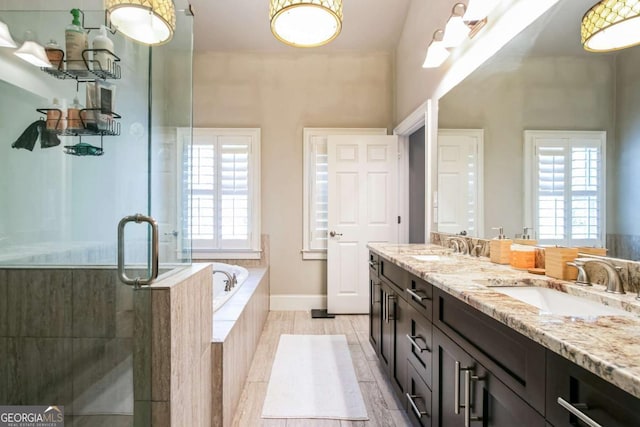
{"x": 456, "y": 389}
{"x": 412, "y": 402}
{"x": 412, "y": 339}
{"x": 577, "y": 412}
{"x": 417, "y": 296}
{"x": 391, "y": 303}
{"x": 468, "y": 377}
{"x": 373, "y": 264}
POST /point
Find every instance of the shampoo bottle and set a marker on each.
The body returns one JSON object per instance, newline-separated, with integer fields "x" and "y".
{"x": 55, "y": 117}
{"x": 102, "y": 60}
{"x": 76, "y": 41}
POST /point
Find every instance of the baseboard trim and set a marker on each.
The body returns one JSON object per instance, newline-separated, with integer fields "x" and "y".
{"x": 297, "y": 302}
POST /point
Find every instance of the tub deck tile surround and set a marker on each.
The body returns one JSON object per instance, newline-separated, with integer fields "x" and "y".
{"x": 607, "y": 346}
{"x": 236, "y": 330}
{"x": 4, "y": 327}
{"x": 382, "y": 406}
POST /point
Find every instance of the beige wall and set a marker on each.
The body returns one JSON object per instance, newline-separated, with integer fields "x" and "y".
{"x": 282, "y": 94}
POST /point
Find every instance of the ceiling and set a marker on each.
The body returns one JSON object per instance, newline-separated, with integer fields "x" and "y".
{"x": 243, "y": 25}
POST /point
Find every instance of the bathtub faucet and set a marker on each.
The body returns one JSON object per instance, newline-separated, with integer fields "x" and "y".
{"x": 231, "y": 279}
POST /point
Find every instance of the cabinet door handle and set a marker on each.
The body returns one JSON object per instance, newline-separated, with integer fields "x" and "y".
{"x": 417, "y": 411}
{"x": 578, "y": 413}
{"x": 376, "y": 293}
{"x": 468, "y": 377}
{"x": 412, "y": 339}
{"x": 416, "y": 295}
{"x": 385, "y": 311}
{"x": 391, "y": 299}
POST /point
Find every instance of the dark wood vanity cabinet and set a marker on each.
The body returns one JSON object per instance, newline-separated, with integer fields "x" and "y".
{"x": 445, "y": 357}
{"x": 573, "y": 392}
{"x": 469, "y": 394}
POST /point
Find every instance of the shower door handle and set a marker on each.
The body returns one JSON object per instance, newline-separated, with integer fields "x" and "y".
{"x": 138, "y": 281}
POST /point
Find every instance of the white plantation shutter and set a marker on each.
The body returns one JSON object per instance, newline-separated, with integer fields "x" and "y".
{"x": 223, "y": 197}
{"x": 319, "y": 207}
{"x": 568, "y": 187}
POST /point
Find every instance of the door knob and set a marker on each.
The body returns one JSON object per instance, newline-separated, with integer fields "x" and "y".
{"x": 334, "y": 234}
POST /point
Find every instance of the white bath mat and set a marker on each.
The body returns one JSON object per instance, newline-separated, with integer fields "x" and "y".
{"x": 313, "y": 377}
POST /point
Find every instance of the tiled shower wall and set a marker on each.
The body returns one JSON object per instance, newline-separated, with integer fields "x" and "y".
{"x": 62, "y": 331}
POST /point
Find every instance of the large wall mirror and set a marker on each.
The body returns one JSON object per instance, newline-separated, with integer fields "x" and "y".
{"x": 543, "y": 80}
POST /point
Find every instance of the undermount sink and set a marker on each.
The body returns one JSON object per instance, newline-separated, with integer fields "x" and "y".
{"x": 550, "y": 301}
{"x": 430, "y": 257}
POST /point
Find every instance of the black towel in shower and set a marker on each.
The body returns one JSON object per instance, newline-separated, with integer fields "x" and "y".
{"x": 28, "y": 138}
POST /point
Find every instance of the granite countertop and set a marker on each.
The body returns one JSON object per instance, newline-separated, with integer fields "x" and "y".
{"x": 608, "y": 346}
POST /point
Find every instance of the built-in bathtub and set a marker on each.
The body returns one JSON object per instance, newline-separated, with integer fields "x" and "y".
{"x": 220, "y": 296}
{"x": 238, "y": 318}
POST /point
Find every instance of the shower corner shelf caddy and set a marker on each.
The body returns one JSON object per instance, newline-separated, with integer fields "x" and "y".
{"x": 91, "y": 70}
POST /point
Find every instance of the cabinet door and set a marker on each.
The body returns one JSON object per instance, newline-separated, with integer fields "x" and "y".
{"x": 587, "y": 395}
{"x": 400, "y": 315}
{"x": 375, "y": 311}
{"x": 462, "y": 382}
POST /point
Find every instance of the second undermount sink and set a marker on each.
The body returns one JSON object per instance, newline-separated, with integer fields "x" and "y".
{"x": 550, "y": 301}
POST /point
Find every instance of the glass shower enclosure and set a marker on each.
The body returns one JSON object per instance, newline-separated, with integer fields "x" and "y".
{"x": 69, "y": 328}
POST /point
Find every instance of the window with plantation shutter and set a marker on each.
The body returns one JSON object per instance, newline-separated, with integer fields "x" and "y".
{"x": 565, "y": 187}
{"x": 315, "y": 177}
{"x": 223, "y": 194}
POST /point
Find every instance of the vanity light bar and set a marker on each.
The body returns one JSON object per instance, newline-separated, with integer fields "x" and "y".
{"x": 465, "y": 21}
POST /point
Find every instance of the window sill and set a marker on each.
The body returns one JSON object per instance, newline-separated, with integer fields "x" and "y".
{"x": 208, "y": 255}
{"x": 314, "y": 255}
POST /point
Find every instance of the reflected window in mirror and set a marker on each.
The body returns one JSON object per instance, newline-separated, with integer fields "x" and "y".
{"x": 565, "y": 186}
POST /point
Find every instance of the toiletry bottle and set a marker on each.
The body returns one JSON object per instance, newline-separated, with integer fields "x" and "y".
{"x": 55, "y": 54}
{"x": 73, "y": 115}
{"x": 76, "y": 42}
{"x": 56, "y": 117}
{"x": 102, "y": 60}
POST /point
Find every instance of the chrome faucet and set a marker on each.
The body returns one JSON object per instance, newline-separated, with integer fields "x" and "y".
{"x": 460, "y": 244}
{"x": 614, "y": 284}
{"x": 231, "y": 279}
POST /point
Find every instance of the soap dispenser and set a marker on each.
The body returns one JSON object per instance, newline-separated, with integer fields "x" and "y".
{"x": 76, "y": 42}
{"x": 526, "y": 238}
{"x": 500, "y": 248}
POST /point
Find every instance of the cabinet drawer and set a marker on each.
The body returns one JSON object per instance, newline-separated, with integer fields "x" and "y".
{"x": 513, "y": 358}
{"x": 392, "y": 273}
{"x": 419, "y": 341}
{"x": 597, "y": 399}
{"x": 420, "y": 295}
{"x": 418, "y": 399}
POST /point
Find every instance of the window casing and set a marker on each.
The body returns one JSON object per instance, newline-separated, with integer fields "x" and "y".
{"x": 223, "y": 193}
{"x": 315, "y": 182}
{"x": 565, "y": 187}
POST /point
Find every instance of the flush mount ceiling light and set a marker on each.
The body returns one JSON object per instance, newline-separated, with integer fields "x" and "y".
{"x": 150, "y": 22}
{"x": 436, "y": 53}
{"x": 611, "y": 25}
{"x": 5, "y": 36}
{"x": 305, "y": 23}
{"x": 456, "y": 31}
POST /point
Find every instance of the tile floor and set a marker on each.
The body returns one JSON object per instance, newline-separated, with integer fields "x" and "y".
{"x": 383, "y": 408}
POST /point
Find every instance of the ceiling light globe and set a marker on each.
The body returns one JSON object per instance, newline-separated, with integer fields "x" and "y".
{"x": 611, "y": 25}
{"x": 306, "y": 23}
{"x": 150, "y": 22}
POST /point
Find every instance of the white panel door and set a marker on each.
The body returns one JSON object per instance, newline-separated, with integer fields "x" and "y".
{"x": 363, "y": 208}
{"x": 459, "y": 181}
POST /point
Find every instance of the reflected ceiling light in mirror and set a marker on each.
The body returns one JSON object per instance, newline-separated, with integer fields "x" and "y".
{"x": 305, "y": 23}
{"x": 477, "y": 10}
{"x": 611, "y": 25}
{"x": 456, "y": 30}
{"x": 150, "y": 22}
{"x": 5, "y": 36}
{"x": 436, "y": 53}
{"x": 33, "y": 52}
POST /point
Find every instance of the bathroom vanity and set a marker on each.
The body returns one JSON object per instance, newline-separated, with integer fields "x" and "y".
{"x": 460, "y": 353}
